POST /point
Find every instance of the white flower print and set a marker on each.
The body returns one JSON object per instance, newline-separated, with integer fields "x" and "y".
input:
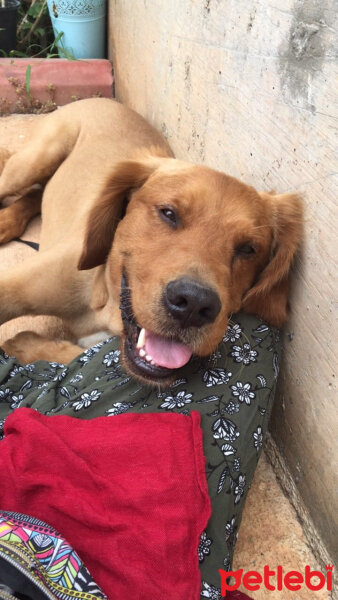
{"x": 275, "y": 364}
{"x": 261, "y": 380}
{"x": 78, "y": 377}
{"x": 160, "y": 395}
{"x": 177, "y": 401}
{"x": 55, "y": 365}
{"x": 225, "y": 429}
{"x": 3, "y": 357}
{"x": 258, "y": 438}
{"x": 118, "y": 409}
{"x": 2, "y": 425}
{"x": 100, "y": 344}
{"x": 31, "y": 367}
{"x": 210, "y": 592}
{"x": 239, "y": 489}
{"x": 215, "y": 356}
{"x": 228, "y": 450}
{"x": 4, "y": 394}
{"x": 16, "y": 369}
{"x": 231, "y": 532}
{"x": 236, "y": 465}
{"x": 204, "y": 546}
{"x": 244, "y": 354}
{"x": 16, "y": 401}
{"x": 243, "y": 392}
{"x": 231, "y": 408}
{"x": 216, "y": 377}
{"x": 86, "y": 400}
{"x": 61, "y": 375}
{"x": 89, "y": 354}
{"x": 112, "y": 358}
{"x": 177, "y": 382}
{"x": 262, "y": 328}
{"x": 232, "y": 333}
{"x": 229, "y": 528}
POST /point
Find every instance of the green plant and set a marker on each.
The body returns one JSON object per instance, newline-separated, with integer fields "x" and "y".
{"x": 26, "y": 48}
{"x": 25, "y": 102}
{"x": 35, "y": 36}
{"x": 34, "y": 32}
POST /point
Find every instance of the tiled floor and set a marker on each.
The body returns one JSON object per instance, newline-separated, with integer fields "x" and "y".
{"x": 270, "y": 534}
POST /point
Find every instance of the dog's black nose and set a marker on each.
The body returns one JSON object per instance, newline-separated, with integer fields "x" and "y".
{"x": 191, "y": 303}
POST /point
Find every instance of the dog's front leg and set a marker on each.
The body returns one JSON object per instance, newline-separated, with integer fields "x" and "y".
{"x": 15, "y": 218}
{"x": 52, "y": 140}
{"x": 46, "y": 284}
{"x": 28, "y": 346}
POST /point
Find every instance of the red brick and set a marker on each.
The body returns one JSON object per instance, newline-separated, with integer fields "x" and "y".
{"x": 52, "y": 80}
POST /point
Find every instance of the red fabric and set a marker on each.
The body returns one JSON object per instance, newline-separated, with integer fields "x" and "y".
{"x": 128, "y": 493}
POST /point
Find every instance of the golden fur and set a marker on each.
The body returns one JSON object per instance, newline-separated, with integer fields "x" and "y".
{"x": 93, "y": 156}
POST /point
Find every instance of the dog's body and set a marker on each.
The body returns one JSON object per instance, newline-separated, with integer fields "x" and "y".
{"x": 194, "y": 247}
{"x": 79, "y": 169}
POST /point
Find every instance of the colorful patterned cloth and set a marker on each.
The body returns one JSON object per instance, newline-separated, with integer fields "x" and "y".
{"x": 48, "y": 559}
{"x": 233, "y": 390}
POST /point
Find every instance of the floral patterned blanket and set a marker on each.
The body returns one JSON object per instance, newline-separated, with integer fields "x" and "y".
{"x": 233, "y": 390}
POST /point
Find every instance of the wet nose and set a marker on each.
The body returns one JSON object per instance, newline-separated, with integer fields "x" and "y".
{"x": 191, "y": 303}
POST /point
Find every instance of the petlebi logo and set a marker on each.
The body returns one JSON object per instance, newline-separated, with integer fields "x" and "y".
{"x": 276, "y": 580}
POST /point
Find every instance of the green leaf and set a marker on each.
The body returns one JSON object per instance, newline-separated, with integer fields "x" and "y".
{"x": 28, "y": 82}
{"x": 34, "y": 9}
{"x": 58, "y": 38}
{"x": 18, "y": 53}
{"x": 66, "y": 54}
{"x": 31, "y": 51}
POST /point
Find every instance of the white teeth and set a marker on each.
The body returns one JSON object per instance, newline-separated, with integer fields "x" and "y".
{"x": 141, "y": 347}
{"x": 141, "y": 338}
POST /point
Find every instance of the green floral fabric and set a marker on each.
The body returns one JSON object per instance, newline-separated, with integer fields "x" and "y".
{"x": 233, "y": 389}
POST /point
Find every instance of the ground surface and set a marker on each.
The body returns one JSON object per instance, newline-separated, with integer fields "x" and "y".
{"x": 270, "y": 533}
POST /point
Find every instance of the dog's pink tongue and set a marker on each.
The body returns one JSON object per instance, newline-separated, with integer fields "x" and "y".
{"x": 166, "y": 353}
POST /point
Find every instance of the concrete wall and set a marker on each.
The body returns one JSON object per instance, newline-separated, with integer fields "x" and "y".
{"x": 250, "y": 88}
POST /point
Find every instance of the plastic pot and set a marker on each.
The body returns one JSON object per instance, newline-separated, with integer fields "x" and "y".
{"x": 83, "y": 24}
{"x": 8, "y": 16}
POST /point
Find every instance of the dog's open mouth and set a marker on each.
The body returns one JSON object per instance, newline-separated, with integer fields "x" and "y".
{"x": 147, "y": 354}
{"x": 154, "y": 356}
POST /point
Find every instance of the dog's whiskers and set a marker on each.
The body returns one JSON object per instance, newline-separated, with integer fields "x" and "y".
{"x": 260, "y": 227}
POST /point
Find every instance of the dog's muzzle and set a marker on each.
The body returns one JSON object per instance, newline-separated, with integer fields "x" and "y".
{"x": 147, "y": 354}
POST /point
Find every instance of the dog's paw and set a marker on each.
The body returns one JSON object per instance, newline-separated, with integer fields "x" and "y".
{"x": 28, "y": 346}
{"x": 12, "y": 224}
{"x": 23, "y": 346}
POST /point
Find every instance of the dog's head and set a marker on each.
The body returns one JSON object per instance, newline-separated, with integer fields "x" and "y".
{"x": 194, "y": 247}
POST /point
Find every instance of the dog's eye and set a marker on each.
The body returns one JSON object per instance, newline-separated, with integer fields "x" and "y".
{"x": 169, "y": 216}
{"x": 245, "y": 250}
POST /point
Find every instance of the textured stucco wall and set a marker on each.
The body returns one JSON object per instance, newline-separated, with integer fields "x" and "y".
{"x": 251, "y": 88}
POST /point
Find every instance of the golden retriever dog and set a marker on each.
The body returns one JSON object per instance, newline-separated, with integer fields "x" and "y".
{"x": 138, "y": 243}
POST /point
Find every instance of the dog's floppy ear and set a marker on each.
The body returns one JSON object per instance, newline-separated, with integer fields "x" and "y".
{"x": 106, "y": 214}
{"x": 268, "y": 297}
